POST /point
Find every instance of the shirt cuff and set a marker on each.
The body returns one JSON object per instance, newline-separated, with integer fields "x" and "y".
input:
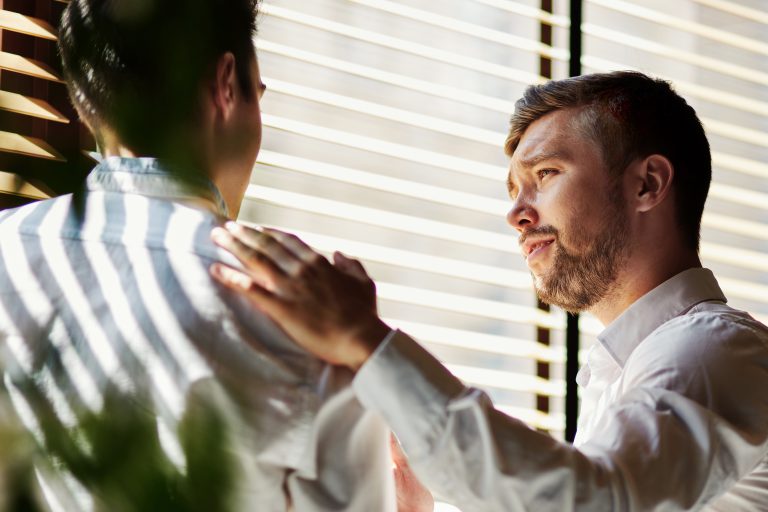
{"x": 410, "y": 389}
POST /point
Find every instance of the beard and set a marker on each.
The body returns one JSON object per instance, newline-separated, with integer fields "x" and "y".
{"x": 577, "y": 281}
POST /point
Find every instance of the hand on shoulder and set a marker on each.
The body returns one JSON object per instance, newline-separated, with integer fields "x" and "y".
{"x": 328, "y": 308}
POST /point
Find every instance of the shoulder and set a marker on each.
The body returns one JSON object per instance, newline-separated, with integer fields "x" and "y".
{"x": 711, "y": 343}
{"x": 716, "y": 357}
{"x": 709, "y": 334}
{"x": 31, "y": 214}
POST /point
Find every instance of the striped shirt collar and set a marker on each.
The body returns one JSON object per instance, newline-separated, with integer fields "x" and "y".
{"x": 148, "y": 177}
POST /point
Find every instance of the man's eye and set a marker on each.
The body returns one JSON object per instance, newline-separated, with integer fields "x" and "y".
{"x": 543, "y": 173}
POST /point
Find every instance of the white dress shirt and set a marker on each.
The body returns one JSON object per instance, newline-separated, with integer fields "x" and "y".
{"x": 674, "y": 416}
{"x": 112, "y": 287}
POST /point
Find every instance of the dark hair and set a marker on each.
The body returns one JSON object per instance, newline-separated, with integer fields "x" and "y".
{"x": 136, "y": 66}
{"x": 630, "y": 115}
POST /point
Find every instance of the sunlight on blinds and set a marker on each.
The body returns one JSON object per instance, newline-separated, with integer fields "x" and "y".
{"x": 385, "y": 122}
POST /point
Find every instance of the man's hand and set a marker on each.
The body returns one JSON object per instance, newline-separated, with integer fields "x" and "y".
{"x": 327, "y": 308}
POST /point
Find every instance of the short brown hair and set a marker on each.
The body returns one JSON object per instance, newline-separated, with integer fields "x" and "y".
{"x": 630, "y": 115}
{"x": 137, "y": 67}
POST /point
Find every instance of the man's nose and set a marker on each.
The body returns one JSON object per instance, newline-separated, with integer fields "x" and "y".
{"x": 522, "y": 215}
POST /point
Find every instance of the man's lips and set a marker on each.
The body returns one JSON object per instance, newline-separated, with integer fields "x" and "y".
{"x": 530, "y": 247}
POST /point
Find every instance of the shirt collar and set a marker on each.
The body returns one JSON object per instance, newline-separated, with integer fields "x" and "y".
{"x": 146, "y": 176}
{"x": 671, "y": 298}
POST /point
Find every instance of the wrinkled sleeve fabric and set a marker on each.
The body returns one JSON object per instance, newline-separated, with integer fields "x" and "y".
{"x": 669, "y": 443}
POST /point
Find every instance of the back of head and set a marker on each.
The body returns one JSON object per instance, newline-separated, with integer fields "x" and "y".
{"x": 136, "y": 67}
{"x": 629, "y": 116}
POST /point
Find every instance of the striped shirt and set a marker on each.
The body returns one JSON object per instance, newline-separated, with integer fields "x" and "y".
{"x": 110, "y": 287}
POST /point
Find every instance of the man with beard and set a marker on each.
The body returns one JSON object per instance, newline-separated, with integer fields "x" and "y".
{"x": 608, "y": 178}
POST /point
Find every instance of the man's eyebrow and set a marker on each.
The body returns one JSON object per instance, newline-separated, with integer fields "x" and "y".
{"x": 540, "y": 157}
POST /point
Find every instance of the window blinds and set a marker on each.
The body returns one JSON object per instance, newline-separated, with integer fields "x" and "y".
{"x": 40, "y": 150}
{"x": 385, "y": 123}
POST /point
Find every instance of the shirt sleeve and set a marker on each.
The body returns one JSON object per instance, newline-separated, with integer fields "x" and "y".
{"x": 655, "y": 449}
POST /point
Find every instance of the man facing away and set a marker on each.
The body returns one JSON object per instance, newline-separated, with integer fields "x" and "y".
{"x": 109, "y": 288}
{"x": 608, "y": 178}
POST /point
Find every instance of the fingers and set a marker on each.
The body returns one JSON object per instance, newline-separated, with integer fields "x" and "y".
{"x": 264, "y": 242}
{"x": 248, "y": 235}
{"x": 231, "y": 277}
{"x": 351, "y": 266}
{"x": 296, "y": 245}
{"x": 262, "y": 298}
{"x": 252, "y": 258}
{"x": 257, "y": 251}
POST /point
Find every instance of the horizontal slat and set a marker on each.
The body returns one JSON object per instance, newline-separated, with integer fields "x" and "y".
{"x": 508, "y": 380}
{"x": 528, "y": 11}
{"x": 32, "y": 107}
{"x": 736, "y": 225}
{"x": 735, "y": 256}
{"x": 15, "y": 185}
{"x": 380, "y": 111}
{"x": 470, "y": 29}
{"x": 471, "y": 340}
{"x": 391, "y": 149}
{"x": 720, "y": 97}
{"x": 737, "y": 9}
{"x": 462, "y": 96}
{"x": 735, "y": 132}
{"x": 385, "y": 219}
{"x": 472, "y": 306}
{"x": 739, "y": 164}
{"x": 691, "y": 27}
{"x": 25, "y": 66}
{"x": 739, "y": 195}
{"x": 744, "y": 289}
{"x": 440, "y": 195}
{"x": 16, "y": 22}
{"x": 401, "y": 45}
{"x": 28, "y": 146}
{"x": 667, "y": 51}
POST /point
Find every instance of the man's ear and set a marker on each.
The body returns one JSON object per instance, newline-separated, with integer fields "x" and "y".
{"x": 224, "y": 86}
{"x": 651, "y": 181}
